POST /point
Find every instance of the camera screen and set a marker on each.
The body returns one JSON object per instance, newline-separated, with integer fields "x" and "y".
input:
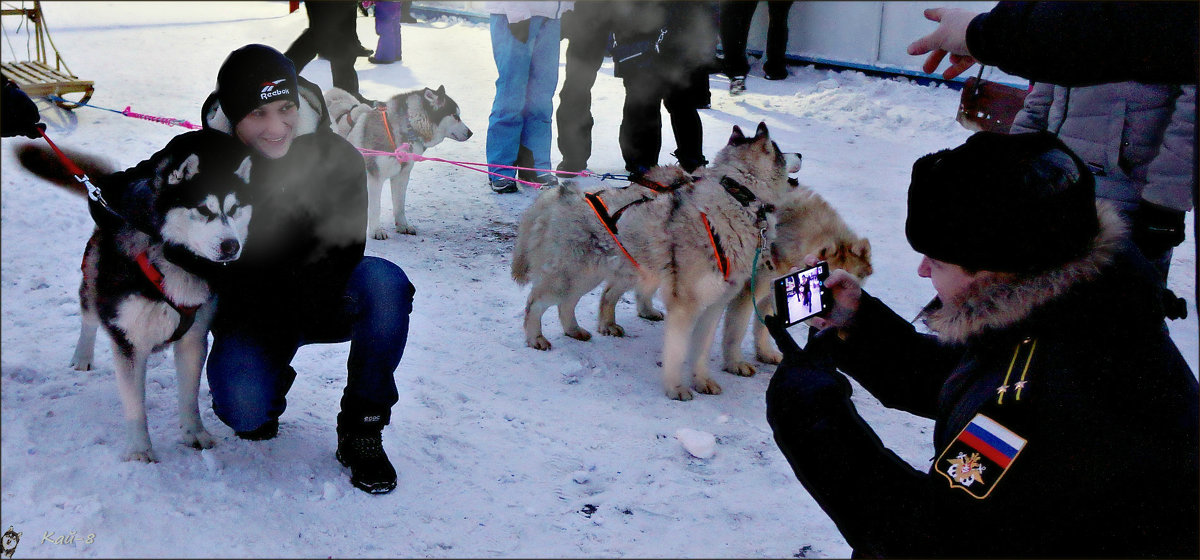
{"x": 799, "y": 296}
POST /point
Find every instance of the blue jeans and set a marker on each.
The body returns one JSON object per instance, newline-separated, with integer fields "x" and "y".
{"x": 524, "y": 104}
{"x": 248, "y": 368}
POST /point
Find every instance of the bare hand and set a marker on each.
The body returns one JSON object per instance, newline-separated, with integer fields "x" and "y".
{"x": 846, "y": 291}
{"x": 950, "y": 37}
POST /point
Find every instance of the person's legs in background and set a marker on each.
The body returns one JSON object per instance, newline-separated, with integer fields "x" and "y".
{"x": 686, "y": 126}
{"x": 775, "y": 58}
{"x": 506, "y": 120}
{"x": 735, "y": 26}
{"x": 537, "y": 131}
{"x": 387, "y": 26}
{"x": 585, "y": 53}
{"x": 641, "y": 123}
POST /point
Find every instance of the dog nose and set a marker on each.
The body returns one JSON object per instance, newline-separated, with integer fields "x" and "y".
{"x": 469, "y": 133}
{"x": 230, "y": 249}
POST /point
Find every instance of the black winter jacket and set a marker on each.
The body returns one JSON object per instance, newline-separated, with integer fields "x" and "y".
{"x": 308, "y": 228}
{"x": 1087, "y": 43}
{"x": 689, "y": 42}
{"x": 1108, "y": 413}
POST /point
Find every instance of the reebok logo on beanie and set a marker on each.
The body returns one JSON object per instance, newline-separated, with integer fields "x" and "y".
{"x": 269, "y": 91}
{"x": 255, "y": 75}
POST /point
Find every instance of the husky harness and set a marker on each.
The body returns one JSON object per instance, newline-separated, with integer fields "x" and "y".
{"x": 739, "y": 192}
{"x": 187, "y": 314}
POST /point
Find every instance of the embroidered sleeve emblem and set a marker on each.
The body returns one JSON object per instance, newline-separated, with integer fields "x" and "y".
{"x": 982, "y": 446}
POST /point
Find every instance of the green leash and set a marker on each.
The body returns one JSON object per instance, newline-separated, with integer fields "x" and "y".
{"x": 762, "y": 233}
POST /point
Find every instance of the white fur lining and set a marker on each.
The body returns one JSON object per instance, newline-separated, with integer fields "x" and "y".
{"x": 999, "y": 302}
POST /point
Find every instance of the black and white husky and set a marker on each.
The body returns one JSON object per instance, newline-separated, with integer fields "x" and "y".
{"x": 145, "y": 268}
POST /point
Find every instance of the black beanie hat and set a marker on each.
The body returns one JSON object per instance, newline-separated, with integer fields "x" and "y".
{"x": 1006, "y": 203}
{"x": 254, "y": 75}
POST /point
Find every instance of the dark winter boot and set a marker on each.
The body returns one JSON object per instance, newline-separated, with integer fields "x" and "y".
{"x": 360, "y": 448}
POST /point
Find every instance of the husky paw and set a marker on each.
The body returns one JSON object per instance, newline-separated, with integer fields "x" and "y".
{"x": 539, "y": 343}
{"x": 769, "y": 356}
{"x": 679, "y": 393}
{"x": 81, "y": 365}
{"x": 612, "y": 329}
{"x": 744, "y": 369}
{"x": 707, "y": 386}
{"x": 140, "y": 455}
{"x": 380, "y": 234}
{"x": 651, "y": 315}
{"x": 406, "y": 229}
{"x": 198, "y": 440}
{"x": 579, "y": 334}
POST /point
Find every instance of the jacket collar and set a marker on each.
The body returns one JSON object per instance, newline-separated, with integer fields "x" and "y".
{"x": 997, "y": 303}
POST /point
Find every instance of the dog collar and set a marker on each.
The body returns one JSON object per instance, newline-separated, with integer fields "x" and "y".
{"x": 187, "y": 314}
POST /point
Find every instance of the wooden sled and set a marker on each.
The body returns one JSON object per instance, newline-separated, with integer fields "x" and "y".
{"x": 35, "y": 77}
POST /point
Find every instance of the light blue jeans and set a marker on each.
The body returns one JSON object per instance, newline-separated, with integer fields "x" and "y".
{"x": 524, "y": 103}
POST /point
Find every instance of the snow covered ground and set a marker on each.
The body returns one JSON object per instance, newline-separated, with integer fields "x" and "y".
{"x": 502, "y": 450}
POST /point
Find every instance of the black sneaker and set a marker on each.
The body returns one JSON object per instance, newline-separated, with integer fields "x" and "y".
{"x": 263, "y": 432}
{"x": 504, "y": 186}
{"x": 546, "y": 180}
{"x": 737, "y": 85}
{"x": 360, "y": 449}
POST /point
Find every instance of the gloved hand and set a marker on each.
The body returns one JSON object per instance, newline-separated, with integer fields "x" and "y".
{"x": 20, "y": 115}
{"x": 806, "y": 385}
{"x": 520, "y": 30}
{"x": 1156, "y": 229}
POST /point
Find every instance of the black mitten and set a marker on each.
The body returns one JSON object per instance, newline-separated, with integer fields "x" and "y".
{"x": 1156, "y": 229}
{"x": 20, "y": 115}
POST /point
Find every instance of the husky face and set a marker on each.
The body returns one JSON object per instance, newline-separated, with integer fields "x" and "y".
{"x": 759, "y": 156}
{"x": 206, "y": 213}
{"x": 445, "y": 112}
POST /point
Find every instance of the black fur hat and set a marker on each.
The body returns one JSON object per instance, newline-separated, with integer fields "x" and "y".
{"x": 254, "y": 75}
{"x": 1006, "y": 203}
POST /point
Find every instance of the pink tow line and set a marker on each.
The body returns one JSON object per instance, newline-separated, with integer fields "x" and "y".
{"x": 404, "y": 155}
{"x": 128, "y": 112}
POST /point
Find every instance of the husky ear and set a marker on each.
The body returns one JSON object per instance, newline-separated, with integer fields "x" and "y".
{"x": 862, "y": 248}
{"x": 761, "y": 132}
{"x": 243, "y": 170}
{"x": 190, "y": 167}
{"x": 436, "y": 98}
{"x": 737, "y": 134}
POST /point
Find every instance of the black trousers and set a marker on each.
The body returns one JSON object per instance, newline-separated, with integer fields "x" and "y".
{"x": 641, "y": 122}
{"x": 587, "y": 38}
{"x": 736, "y": 16}
{"x": 331, "y": 34}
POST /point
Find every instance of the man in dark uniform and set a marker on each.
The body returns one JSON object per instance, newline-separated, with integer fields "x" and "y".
{"x": 1066, "y": 418}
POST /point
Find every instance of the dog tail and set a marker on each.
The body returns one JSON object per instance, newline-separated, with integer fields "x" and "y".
{"x": 43, "y": 162}
{"x": 520, "y": 261}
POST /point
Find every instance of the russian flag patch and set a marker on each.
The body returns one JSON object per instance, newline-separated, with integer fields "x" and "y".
{"x": 978, "y": 458}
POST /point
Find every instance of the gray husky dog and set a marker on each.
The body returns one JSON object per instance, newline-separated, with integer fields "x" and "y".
{"x": 145, "y": 272}
{"x": 421, "y": 118}
{"x": 697, "y": 238}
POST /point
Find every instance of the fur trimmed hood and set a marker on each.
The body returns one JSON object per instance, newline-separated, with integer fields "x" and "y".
{"x": 313, "y": 114}
{"x": 999, "y": 302}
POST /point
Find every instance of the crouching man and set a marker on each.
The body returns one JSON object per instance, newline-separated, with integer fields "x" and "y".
{"x": 1066, "y": 418}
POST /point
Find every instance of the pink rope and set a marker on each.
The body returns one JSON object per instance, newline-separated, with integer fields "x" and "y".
{"x": 128, "y": 112}
{"x": 403, "y": 155}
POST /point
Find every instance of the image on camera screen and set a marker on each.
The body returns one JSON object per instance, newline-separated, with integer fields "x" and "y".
{"x": 803, "y": 294}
